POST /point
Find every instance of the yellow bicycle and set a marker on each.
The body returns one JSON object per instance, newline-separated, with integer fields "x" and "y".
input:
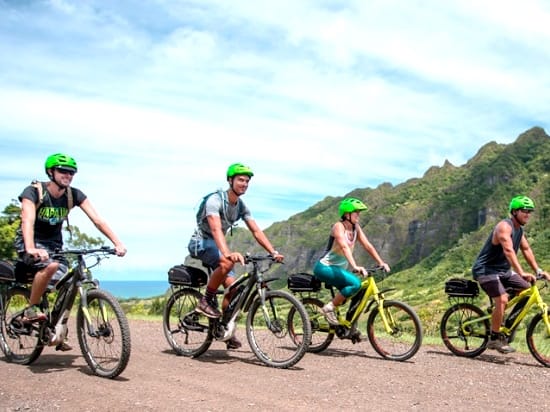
{"x": 465, "y": 328}
{"x": 393, "y": 327}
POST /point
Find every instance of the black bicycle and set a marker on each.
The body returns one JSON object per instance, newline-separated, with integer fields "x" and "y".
{"x": 191, "y": 333}
{"x": 101, "y": 325}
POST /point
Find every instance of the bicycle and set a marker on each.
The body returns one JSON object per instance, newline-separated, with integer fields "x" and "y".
{"x": 101, "y": 325}
{"x": 466, "y": 328}
{"x": 393, "y": 327}
{"x": 191, "y": 333}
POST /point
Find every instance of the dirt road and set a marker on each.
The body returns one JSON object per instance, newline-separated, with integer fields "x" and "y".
{"x": 344, "y": 377}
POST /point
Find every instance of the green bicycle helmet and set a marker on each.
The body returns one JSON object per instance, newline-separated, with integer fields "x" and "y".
{"x": 61, "y": 161}
{"x": 349, "y": 205}
{"x": 521, "y": 202}
{"x": 239, "y": 169}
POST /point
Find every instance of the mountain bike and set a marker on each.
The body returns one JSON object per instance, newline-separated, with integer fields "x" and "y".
{"x": 191, "y": 333}
{"x": 393, "y": 327}
{"x": 101, "y": 325}
{"x": 466, "y": 328}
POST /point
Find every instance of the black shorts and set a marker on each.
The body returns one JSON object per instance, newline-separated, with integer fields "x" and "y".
{"x": 495, "y": 285}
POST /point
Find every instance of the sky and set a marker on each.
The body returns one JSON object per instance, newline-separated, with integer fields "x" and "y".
{"x": 156, "y": 98}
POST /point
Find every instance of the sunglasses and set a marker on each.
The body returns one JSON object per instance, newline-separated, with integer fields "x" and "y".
{"x": 528, "y": 211}
{"x": 65, "y": 171}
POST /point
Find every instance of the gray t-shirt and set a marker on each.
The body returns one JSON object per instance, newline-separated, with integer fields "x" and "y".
{"x": 217, "y": 204}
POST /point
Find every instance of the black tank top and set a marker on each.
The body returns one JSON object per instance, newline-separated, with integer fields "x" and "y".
{"x": 492, "y": 259}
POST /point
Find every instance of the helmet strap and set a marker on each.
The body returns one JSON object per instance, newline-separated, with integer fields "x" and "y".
{"x": 54, "y": 181}
{"x": 515, "y": 218}
{"x": 231, "y": 187}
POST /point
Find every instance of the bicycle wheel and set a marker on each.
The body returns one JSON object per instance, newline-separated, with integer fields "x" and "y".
{"x": 267, "y": 329}
{"x": 321, "y": 332}
{"x": 20, "y": 342}
{"x": 405, "y": 337}
{"x": 538, "y": 340}
{"x": 470, "y": 340}
{"x": 186, "y": 330}
{"x": 103, "y": 334}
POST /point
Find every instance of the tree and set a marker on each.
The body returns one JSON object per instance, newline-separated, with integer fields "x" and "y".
{"x": 9, "y": 222}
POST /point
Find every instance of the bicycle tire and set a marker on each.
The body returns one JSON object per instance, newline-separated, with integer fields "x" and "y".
{"x": 186, "y": 330}
{"x": 538, "y": 340}
{"x": 469, "y": 342}
{"x": 406, "y": 336}
{"x": 20, "y": 342}
{"x": 322, "y": 333}
{"x": 107, "y": 354}
{"x": 274, "y": 345}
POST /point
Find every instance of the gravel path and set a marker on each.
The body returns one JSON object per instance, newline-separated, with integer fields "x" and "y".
{"x": 344, "y": 377}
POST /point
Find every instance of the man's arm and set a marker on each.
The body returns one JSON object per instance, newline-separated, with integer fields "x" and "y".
{"x": 262, "y": 239}
{"x": 503, "y": 235}
{"x": 102, "y": 226}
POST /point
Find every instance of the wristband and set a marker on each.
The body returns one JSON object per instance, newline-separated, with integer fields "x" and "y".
{"x": 540, "y": 271}
{"x": 274, "y": 253}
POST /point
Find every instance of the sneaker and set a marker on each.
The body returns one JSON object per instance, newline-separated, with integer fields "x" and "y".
{"x": 63, "y": 347}
{"x": 207, "y": 309}
{"x": 33, "y": 314}
{"x": 233, "y": 343}
{"x": 500, "y": 344}
{"x": 330, "y": 315}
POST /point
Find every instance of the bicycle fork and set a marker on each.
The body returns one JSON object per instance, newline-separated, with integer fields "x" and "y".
{"x": 386, "y": 316}
{"x": 86, "y": 312}
{"x": 272, "y": 324}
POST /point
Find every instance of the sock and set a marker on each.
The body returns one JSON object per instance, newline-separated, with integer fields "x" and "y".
{"x": 495, "y": 335}
{"x": 210, "y": 294}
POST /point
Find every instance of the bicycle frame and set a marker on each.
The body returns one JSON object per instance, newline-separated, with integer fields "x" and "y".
{"x": 392, "y": 327}
{"x": 190, "y": 332}
{"x": 245, "y": 288}
{"x": 535, "y": 299}
{"x": 101, "y": 326}
{"x": 371, "y": 296}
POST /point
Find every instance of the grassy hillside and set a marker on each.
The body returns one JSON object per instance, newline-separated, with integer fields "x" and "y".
{"x": 431, "y": 228}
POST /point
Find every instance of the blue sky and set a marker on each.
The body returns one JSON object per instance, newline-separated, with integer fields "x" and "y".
{"x": 155, "y": 98}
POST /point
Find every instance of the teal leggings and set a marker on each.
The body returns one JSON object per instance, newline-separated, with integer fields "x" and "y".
{"x": 346, "y": 282}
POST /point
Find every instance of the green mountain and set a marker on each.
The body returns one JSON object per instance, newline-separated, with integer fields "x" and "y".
{"x": 431, "y": 228}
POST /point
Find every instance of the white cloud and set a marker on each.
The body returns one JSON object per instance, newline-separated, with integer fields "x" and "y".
{"x": 155, "y": 99}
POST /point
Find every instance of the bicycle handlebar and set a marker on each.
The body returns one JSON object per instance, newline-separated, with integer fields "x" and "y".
{"x": 372, "y": 270}
{"x": 103, "y": 249}
{"x": 248, "y": 258}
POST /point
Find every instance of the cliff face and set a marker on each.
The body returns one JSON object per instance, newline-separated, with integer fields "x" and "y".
{"x": 420, "y": 219}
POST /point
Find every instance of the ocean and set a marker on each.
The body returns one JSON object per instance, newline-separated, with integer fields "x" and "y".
{"x": 141, "y": 289}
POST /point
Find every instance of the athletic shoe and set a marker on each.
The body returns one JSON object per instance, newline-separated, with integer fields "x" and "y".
{"x": 233, "y": 343}
{"x": 330, "y": 315}
{"x": 34, "y": 314}
{"x": 500, "y": 344}
{"x": 207, "y": 309}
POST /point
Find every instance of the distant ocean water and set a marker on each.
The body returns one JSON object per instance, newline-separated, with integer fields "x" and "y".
{"x": 141, "y": 289}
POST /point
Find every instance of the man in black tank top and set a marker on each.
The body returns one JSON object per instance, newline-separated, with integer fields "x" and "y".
{"x": 497, "y": 266}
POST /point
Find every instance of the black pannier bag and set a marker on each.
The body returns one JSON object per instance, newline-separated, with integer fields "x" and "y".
{"x": 460, "y": 287}
{"x": 7, "y": 271}
{"x": 187, "y": 276}
{"x": 303, "y": 282}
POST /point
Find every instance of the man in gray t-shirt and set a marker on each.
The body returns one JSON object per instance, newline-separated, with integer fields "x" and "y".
{"x": 218, "y": 214}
